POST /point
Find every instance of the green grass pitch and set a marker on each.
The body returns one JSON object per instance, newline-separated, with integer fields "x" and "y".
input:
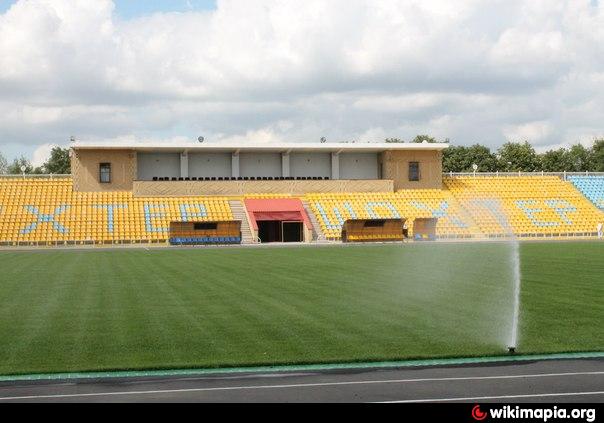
{"x": 171, "y": 308}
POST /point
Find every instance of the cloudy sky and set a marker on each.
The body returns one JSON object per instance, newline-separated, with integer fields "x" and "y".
{"x": 267, "y": 70}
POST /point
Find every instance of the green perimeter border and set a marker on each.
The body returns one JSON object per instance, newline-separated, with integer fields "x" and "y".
{"x": 300, "y": 367}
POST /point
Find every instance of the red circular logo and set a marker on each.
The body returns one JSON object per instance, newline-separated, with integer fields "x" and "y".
{"x": 478, "y": 414}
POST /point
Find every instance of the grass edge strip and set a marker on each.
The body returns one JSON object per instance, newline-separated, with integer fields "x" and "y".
{"x": 300, "y": 367}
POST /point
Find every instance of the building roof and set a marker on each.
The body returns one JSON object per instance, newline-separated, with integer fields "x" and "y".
{"x": 282, "y": 147}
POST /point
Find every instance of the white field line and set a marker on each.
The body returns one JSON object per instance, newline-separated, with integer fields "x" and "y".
{"x": 560, "y": 394}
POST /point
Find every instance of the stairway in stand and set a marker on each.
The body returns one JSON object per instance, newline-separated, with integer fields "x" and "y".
{"x": 317, "y": 233}
{"x": 239, "y": 213}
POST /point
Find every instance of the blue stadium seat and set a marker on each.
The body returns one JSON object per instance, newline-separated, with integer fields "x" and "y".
{"x": 591, "y": 187}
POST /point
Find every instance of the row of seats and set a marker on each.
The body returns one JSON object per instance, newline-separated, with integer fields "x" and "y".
{"x": 266, "y": 195}
{"x": 243, "y": 178}
{"x": 204, "y": 240}
{"x": 423, "y": 237}
{"x": 371, "y": 237}
{"x": 592, "y": 187}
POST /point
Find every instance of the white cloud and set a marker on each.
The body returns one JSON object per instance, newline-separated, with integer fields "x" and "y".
{"x": 41, "y": 154}
{"x": 273, "y": 70}
{"x": 535, "y": 131}
{"x": 264, "y": 135}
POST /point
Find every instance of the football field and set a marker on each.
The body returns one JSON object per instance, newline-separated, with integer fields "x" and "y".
{"x": 183, "y": 308}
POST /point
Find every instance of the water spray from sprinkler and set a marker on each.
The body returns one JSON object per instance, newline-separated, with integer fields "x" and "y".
{"x": 496, "y": 209}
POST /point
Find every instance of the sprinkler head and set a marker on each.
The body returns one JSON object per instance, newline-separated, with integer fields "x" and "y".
{"x": 511, "y": 350}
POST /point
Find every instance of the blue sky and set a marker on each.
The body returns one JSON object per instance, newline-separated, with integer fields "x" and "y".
{"x": 133, "y": 8}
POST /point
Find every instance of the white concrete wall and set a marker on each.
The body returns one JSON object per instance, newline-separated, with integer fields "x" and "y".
{"x": 310, "y": 164}
{"x": 157, "y": 164}
{"x": 235, "y": 165}
{"x": 335, "y": 166}
{"x": 184, "y": 165}
{"x": 260, "y": 164}
{"x": 209, "y": 164}
{"x": 285, "y": 165}
{"x": 359, "y": 166}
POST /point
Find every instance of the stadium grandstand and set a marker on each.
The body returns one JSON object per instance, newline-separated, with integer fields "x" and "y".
{"x": 248, "y": 193}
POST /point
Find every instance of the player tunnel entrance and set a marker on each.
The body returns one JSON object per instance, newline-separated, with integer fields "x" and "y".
{"x": 280, "y": 231}
{"x": 279, "y": 220}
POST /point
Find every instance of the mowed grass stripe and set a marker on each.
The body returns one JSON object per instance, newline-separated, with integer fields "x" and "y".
{"x": 137, "y": 309}
{"x": 565, "y": 291}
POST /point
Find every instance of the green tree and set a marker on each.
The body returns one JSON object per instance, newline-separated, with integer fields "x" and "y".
{"x": 579, "y": 159}
{"x": 58, "y": 162}
{"x": 424, "y": 138}
{"x": 597, "y": 156}
{"x": 555, "y": 160}
{"x": 462, "y": 159}
{"x": 481, "y": 156}
{"x": 453, "y": 158}
{"x": 514, "y": 157}
{"x": 394, "y": 140}
{"x": 3, "y": 164}
{"x": 15, "y": 167}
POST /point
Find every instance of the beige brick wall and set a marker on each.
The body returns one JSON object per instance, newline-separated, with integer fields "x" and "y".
{"x": 85, "y": 169}
{"x": 395, "y": 166}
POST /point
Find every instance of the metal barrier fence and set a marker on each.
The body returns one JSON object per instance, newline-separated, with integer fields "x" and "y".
{"x": 562, "y": 175}
{"x": 35, "y": 176}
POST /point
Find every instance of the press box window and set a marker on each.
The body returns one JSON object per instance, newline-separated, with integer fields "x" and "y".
{"x": 414, "y": 171}
{"x": 105, "y": 173}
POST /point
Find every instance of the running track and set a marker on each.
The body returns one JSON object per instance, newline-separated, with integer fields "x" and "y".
{"x": 533, "y": 381}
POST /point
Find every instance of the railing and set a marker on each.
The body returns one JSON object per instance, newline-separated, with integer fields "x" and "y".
{"x": 561, "y": 175}
{"x": 35, "y": 176}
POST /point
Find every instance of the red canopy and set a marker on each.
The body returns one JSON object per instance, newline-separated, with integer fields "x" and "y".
{"x": 284, "y": 215}
{"x": 290, "y": 209}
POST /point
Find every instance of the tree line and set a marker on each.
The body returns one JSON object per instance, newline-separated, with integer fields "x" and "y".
{"x": 58, "y": 163}
{"x": 510, "y": 157}
{"x": 518, "y": 156}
